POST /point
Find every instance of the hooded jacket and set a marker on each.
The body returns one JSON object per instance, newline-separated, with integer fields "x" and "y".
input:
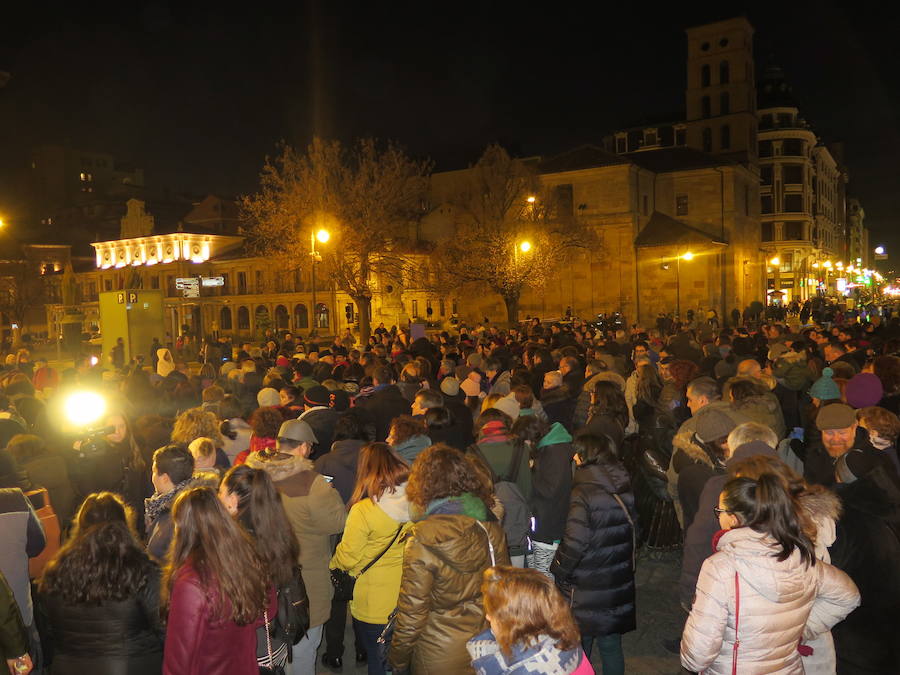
{"x": 166, "y": 363}
{"x": 412, "y": 446}
{"x": 594, "y": 564}
{"x": 340, "y": 463}
{"x": 551, "y": 484}
{"x": 780, "y": 603}
{"x": 371, "y": 526}
{"x": 705, "y": 524}
{"x": 315, "y": 511}
{"x": 440, "y": 605}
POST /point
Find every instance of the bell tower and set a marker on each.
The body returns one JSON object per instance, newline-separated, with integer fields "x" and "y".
{"x": 721, "y": 89}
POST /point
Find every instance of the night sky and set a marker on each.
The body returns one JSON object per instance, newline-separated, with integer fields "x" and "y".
{"x": 198, "y": 95}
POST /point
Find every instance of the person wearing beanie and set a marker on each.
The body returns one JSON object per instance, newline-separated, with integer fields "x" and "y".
{"x": 268, "y": 397}
{"x": 318, "y": 414}
{"x": 825, "y": 388}
{"x": 864, "y": 390}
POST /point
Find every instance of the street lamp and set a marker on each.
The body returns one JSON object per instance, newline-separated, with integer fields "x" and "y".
{"x": 688, "y": 256}
{"x": 879, "y": 250}
{"x": 531, "y": 199}
{"x": 323, "y": 236}
{"x": 525, "y": 246}
{"x": 775, "y": 261}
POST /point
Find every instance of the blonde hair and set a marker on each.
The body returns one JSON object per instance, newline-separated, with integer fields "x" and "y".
{"x": 202, "y": 447}
{"x": 196, "y": 423}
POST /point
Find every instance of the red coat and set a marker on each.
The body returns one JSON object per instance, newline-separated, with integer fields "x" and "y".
{"x": 198, "y": 645}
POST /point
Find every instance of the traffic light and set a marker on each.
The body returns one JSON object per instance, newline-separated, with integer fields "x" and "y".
{"x": 348, "y": 311}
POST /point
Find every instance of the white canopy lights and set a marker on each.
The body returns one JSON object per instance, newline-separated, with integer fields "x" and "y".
{"x": 164, "y": 248}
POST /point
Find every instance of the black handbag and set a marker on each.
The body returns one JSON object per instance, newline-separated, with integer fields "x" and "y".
{"x": 344, "y": 582}
{"x": 384, "y": 640}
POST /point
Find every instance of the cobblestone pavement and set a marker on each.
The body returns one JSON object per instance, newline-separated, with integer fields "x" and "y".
{"x": 659, "y": 618}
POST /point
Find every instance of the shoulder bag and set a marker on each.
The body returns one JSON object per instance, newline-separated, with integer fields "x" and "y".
{"x": 737, "y": 623}
{"x": 271, "y": 668}
{"x": 344, "y": 582}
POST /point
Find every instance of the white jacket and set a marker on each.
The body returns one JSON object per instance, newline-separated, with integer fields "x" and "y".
{"x": 780, "y": 603}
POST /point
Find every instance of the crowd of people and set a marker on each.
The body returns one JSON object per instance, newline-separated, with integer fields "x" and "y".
{"x": 469, "y": 498}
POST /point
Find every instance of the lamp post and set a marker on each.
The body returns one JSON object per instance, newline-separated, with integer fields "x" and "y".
{"x": 688, "y": 256}
{"x": 525, "y": 247}
{"x": 322, "y": 235}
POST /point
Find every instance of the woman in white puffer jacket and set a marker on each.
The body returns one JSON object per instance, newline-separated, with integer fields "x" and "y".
{"x": 763, "y": 590}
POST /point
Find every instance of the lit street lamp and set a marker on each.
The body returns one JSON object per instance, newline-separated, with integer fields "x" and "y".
{"x": 323, "y": 236}
{"x": 687, "y": 256}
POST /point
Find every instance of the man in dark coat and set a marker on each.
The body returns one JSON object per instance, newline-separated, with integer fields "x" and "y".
{"x": 319, "y": 415}
{"x": 558, "y": 403}
{"x": 385, "y": 403}
{"x": 867, "y": 547}
{"x": 454, "y": 401}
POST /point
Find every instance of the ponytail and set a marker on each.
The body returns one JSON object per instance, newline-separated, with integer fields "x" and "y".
{"x": 764, "y": 505}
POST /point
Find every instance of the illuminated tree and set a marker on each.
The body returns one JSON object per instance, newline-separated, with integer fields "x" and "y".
{"x": 367, "y": 197}
{"x": 510, "y": 233}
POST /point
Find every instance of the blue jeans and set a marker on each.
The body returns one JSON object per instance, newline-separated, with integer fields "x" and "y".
{"x": 304, "y": 652}
{"x": 612, "y": 659}
{"x": 367, "y": 635}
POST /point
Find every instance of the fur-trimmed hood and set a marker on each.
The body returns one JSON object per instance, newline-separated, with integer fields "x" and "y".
{"x": 685, "y": 441}
{"x": 279, "y": 465}
{"x": 821, "y": 504}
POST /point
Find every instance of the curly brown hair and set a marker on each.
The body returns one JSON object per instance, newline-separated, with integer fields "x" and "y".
{"x": 266, "y": 422}
{"x": 682, "y": 372}
{"x": 404, "y": 427}
{"x": 441, "y": 471}
{"x": 196, "y": 423}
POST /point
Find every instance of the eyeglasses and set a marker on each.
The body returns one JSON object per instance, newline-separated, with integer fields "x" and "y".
{"x": 719, "y": 511}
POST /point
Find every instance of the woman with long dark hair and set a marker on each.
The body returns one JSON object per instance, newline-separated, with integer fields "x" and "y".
{"x": 101, "y": 596}
{"x": 215, "y": 589}
{"x": 608, "y": 413}
{"x": 379, "y": 513}
{"x": 250, "y": 497}
{"x": 763, "y": 590}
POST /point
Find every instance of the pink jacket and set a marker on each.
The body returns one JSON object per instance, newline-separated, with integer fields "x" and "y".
{"x": 780, "y": 603}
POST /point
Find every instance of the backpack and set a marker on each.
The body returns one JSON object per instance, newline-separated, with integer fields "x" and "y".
{"x": 293, "y": 608}
{"x": 516, "y": 511}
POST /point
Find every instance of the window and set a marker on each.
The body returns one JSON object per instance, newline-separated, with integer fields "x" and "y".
{"x": 225, "y": 318}
{"x": 170, "y": 285}
{"x": 644, "y": 204}
{"x": 680, "y": 137}
{"x": 441, "y": 307}
{"x": 415, "y": 308}
{"x": 724, "y": 72}
{"x": 793, "y": 147}
{"x": 725, "y": 137}
{"x": 793, "y": 230}
{"x": 766, "y": 232}
{"x": 765, "y": 174}
{"x": 785, "y": 120}
{"x": 766, "y": 121}
{"x": 258, "y": 278}
{"x": 154, "y": 281}
{"x": 765, "y": 148}
{"x": 301, "y": 317}
{"x": 242, "y": 286}
{"x": 243, "y": 318}
{"x": 724, "y": 103}
{"x": 564, "y": 201}
{"x": 705, "y": 109}
{"x": 792, "y": 174}
{"x": 704, "y": 76}
{"x": 786, "y": 260}
{"x": 765, "y": 204}
{"x": 707, "y": 140}
{"x": 621, "y": 145}
{"x": 793, "y": 203}
{"x": 681, "y": 205}
{"x": 650, "y": 138}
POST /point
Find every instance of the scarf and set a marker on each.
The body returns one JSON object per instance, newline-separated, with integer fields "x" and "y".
{"x": 540, "y": 658}
{"x": 158, "y": 504}
{"x": 465, "y": 504}
{"x": 494, "y": 432}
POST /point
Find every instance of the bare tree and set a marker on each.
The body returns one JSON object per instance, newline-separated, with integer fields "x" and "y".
{"x": 21, "y": 289}
{"x": 510, "y": 233}
{"x": 368, "y": 197}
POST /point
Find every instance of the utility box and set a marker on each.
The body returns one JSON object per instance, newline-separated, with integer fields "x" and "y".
{"x": 136, "y": 316}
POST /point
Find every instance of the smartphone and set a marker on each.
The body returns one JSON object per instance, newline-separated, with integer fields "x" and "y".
{"x": 328, "y": 479}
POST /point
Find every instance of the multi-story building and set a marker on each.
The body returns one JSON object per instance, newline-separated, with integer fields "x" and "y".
{"x": 802, "y": 188}
{"x": 859, "y": 249}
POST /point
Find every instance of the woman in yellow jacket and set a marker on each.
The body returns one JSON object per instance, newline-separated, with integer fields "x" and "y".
{"x": 379, "y": 515}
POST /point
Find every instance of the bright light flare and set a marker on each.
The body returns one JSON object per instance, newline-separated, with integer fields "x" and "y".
{"x": 775, "y": 261}
{"x": 531, "y": 200}
{"x": 83, "y": 408}
{"x": 687, "y": 256}
{"x": 878, "y": 250}
{"x": 323, "y": 235}
{"x": 525, "y": 246}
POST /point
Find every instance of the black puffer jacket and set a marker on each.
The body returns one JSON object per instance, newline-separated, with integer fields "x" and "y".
{"x": 108, "y": 639}
{"x": 594, "y": 563}
{"x": 340, "y": 464}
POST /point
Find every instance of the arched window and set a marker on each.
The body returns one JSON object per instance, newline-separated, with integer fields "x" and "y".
{"x": 704, "y": 76}
{"x": 724, "y": 72}
{"x": 225, "y": 318}
{"x": 707, "y": 140}
{"x": 724, "y": 103}
{"x": 243, "y": 318}
{"x": 281, "y": 318}
{"x": 301, "y": 317}
{"x": 705, "y": 108}
{"x": 321, "y": 315}
{"x": 725, "y": 137}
